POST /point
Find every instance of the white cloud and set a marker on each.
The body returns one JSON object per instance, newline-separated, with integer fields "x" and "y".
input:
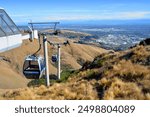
{"x": 20, "y": 15}
{"x": 96, "y": 15}
{"x": 135, "y": 15}
{"x": 102, "y": 16}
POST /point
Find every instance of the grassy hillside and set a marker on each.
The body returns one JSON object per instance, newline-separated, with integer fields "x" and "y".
{"x": 72, "y": 56}
{"x": 113, "y": 75}
{"x": 10, "y": 78}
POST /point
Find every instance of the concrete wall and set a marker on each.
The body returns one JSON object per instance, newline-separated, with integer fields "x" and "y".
{"x": 10, "y": 42}
{"x": 24, "y": 37}
{"x": 34, "y": 35}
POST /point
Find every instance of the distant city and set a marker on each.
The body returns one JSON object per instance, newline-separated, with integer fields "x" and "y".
{"x": 117, "y": 37}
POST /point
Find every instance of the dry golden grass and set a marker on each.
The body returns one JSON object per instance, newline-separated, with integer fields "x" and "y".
{"x": 9, "y": 78}
{"x": 117, "y": 89}
{"x": 128, "y": 71}
{"x": 78, "y": 91}
{"x": 11, "y": 73}
{"x": 119, "y": 77}
{"x": 139, "y": 55}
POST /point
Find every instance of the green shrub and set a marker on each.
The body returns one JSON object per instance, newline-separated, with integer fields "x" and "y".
{"x": 91, "y": 74}
{"x": 65, "y": 74}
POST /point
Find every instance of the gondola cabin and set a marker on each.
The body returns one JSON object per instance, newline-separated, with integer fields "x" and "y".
{"x": 54, "y": 58}
{"x": 33, "y": 67}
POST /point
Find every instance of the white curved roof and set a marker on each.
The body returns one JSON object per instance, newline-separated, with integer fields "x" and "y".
{"x": 1, "y": 8}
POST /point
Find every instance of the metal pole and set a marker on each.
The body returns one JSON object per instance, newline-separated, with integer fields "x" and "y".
{"x": 32, "y": 33}
{"x": 32, "y": 30}
{"x": 46, "y": 60}
{"x": 58, "y": 68}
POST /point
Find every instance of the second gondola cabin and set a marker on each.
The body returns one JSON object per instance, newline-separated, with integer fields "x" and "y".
{"x": 33, "y": 67}
{"x": 54, "y": 58}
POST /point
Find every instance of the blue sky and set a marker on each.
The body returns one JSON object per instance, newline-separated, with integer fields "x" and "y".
{"x": 23, "y": 11}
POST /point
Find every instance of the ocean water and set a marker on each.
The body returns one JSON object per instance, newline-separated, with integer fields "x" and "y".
{"x": 117, "y": 37}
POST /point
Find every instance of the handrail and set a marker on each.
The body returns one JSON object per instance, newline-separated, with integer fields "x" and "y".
{"x": 44, "y": 23}
{"x": 34, "y": 23}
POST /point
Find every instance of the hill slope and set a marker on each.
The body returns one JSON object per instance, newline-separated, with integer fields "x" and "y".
{"x": 12, "y": 61}
{"x": 114, "y": 75}
{"x": 9, "y": 78}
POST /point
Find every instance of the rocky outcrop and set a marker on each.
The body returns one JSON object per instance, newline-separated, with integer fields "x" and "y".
{"x": 145, "y": 42}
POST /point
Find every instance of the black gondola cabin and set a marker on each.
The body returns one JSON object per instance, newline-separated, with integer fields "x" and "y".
{"x": 54, "y": 58}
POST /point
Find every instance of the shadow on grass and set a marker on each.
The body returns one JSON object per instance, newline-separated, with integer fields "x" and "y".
{"x": 42, "y": 81}
{"x": 53, "y": 78}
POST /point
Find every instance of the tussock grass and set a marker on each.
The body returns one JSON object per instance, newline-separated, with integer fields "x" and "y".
{"x": 117, "y": 89}
{"x": 119, "y": 75}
